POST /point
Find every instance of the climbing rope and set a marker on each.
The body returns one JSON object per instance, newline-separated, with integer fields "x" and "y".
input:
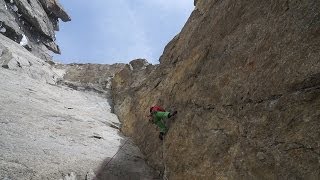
{"x": 116, "y": 153}
{"x": 165, "y": 173}
{"x": 164, "y": 177}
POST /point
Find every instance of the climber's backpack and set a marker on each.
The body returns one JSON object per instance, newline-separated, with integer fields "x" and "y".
{"x": 156, "y": 109}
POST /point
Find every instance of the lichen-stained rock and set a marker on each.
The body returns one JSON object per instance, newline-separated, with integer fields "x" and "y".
{"x": 90, "y": 76}
{"x": 132, "y": 75}
{"x": 35, "y": 14}
{"x": 53, "y": 6}
{"x": 245, "y": 79}
{"x": 126, "y": 80}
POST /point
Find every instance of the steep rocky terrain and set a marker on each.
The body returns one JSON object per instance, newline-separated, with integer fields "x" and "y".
{"x": 56, "y": 121}
{"x": 51, "y": 131}
{"x": 95, "y": 77}
{"x": 32, "y": 23}
{"x": 243, "y": 75}
{"x": 245, "y": 79}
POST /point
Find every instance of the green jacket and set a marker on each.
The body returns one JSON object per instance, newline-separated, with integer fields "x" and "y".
{"x": 158, "y": 118}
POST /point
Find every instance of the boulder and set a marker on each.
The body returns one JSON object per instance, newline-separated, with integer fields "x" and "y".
{"x": 138, "y": 64}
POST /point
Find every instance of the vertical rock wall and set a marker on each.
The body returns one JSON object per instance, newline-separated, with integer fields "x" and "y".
{"x": 245, "y": 79}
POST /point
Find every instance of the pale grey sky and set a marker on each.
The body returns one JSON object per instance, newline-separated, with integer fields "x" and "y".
{"x": 119, "y": 31}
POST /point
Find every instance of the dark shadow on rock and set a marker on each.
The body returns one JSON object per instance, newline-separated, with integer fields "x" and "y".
{"x": 313, "y": 81}
{"x": 127, "y": 164}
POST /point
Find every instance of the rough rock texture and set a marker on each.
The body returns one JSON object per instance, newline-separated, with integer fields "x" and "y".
{"x": 54, "y": 7}
{"x": 245, "y": 79}
{"x": 90, "y": 76}
{"x": 18, "y": 59}
{"x": 8, "y": 24}
{"x": 32, "y": 24}
{"x": 130, "y": 77}
{"x": 49, "y": 131}
{"x": 35, "y": 14}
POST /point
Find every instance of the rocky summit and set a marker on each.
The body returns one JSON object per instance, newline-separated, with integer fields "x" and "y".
{"x": 244, "y": 77}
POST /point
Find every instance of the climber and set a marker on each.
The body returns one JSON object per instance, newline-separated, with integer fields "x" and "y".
{"x": 157, "y": 116}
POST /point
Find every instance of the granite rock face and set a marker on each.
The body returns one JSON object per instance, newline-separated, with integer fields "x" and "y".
{"x": 54, "y": 7}
{"x": 245, "y": 79}
{"x": 126, "y": 80}
{"x": 32, "y": 24}
{"x": 51, "y": 131}
{"x": 14, "y": 57}
{"x": 96, "y": 77}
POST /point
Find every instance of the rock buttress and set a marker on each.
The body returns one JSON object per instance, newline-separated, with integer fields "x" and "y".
{"x": 244, "y": 77}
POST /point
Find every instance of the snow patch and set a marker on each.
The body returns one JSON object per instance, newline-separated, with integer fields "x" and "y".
{"x": 15, "y": 8}
{"x": 108, "y": 85}
{"x": 131, "y": 68}
{"x": 3, "y": 29}
{"x": 24, "y": 40}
